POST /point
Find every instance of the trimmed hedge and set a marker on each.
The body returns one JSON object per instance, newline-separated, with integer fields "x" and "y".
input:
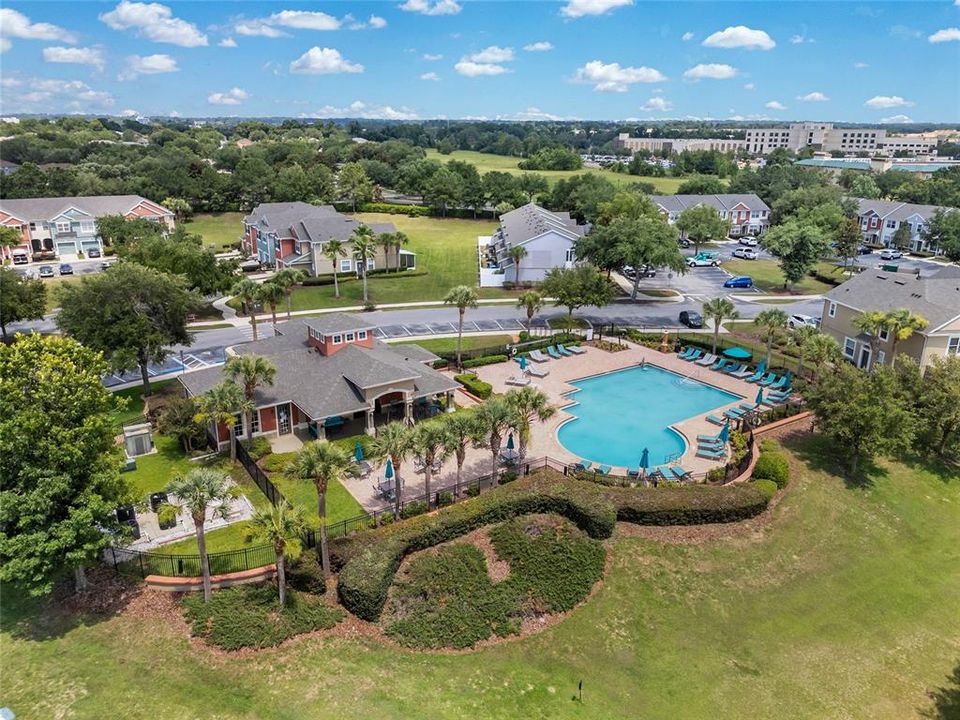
{"x": 475, "y": 385}
{"x": 485, "y": 360}
{"x": 368, "y": 561}
{"x": 395, "y": 209}
{"x": 767, "y": 487}
{"x": 772, "y": 466}
{"x": 258, "y": 448}
{"x": 323, "y": 280}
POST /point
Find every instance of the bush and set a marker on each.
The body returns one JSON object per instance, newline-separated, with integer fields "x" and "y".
{"x": 444, "y": 499}
{"x": 372, "y": 275}
{"x": 258, "y": 448}
{"x": 767, "y": 487}
{"x": 508, "y": 476}
{"x": 772, "y": 466}
{"x": 475, "y": 385}
{"x": 395, "y": 209}
{"x": 441, "y": 364}
{"x": 485, "y": 360}
{"x": 277, "y": 462}
{"x": 248, "y": 616}
{"x": 717, "y": 474}
{"x": 306, "y": 574}
{"x": 412, "y": 509}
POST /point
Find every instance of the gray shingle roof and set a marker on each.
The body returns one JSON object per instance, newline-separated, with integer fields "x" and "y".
{"x": 679, "y": 203}
{"x": 94, "y": 205}
{"x": 333, "y": 323}
{"x": 895, "y": 210}
{"x": 936, "y": 297}
{"x": 531, "y": 220}
{"x": 313, "y": 223}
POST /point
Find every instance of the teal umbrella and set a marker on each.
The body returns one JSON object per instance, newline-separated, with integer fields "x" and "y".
{"x": 645, "y": 459}
{"x": 724, "y": 435}
{"x": 523, "y": 362}
{"x": 388, "y": 473}
{"x": 759, "y": 396}
{"x": 738, "y": 353}
{"x": 358, "y": 452}
{"x": 510, "y": 442}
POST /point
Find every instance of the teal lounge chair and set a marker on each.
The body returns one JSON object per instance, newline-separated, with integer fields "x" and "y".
{"x": 633, "y": 472}
{"x": 768, "y": 380}
{"x": 783, "y": 383}
{"x": 742, "y": 373}
{"x": 602, "y": 470}
{"x": 720, "y": 364}
{"x": 772, "y": 400}
{"x": 748, "y": 406}
{"x": 709, "y": 455}
{"x": 563, "y": 351}
{"x": 552, "y": 352}
{"x": 716, "y": 420}
{"x": 697, "y": 352}
{"x": 679, "y": 473}
{"x": 684, "y": 354}
{"x": 707, "y": 438}
{"x": 734, "y": 413}
{"x": 780, "y": 394}
{"x": 733, "y": 368}
{"x": 583, "y": 465}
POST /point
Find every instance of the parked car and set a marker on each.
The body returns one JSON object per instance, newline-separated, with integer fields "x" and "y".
{"x": 704, "y": 259}
{"x": 46, "y": 271}
{"x": 20, "y": 257}
{"x": 66, "y": 269}
{"x": 796, "y": 321}
{"x": 746, "y": 253}
{"x": 864, "y": 250}
{"x": 105, "y": 265}
{"x": 691, "y": 319}
{"x": 740, "y": 281}
{"x": 748, "y": 241}
{"x": 93, "y": 253}
{"x": 891, "y": 254}
{"x": 647, "y": 271}
{"x": 684, "y": 243}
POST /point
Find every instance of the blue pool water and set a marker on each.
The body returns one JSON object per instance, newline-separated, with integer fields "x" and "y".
{"x": 621, "y": 413}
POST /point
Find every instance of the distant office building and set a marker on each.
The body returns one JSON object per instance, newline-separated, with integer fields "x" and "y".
{"x": 677, "y": 145}
{"x": 825, "y": 137}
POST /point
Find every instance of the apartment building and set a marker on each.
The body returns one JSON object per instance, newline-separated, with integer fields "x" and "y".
{"x": 880, "y": 219}
{"x": 63, "y": 227}
{"x": 677, "y": 145}
{"x": 827, "y": 138}
{"x": 747, "y": 213}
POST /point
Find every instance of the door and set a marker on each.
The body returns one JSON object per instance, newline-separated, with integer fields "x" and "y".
{"x": 283, "y": 419}
{"x": 864, "y": 362}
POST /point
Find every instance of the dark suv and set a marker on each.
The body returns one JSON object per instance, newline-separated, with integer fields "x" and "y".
{"x": 691, "y": 319}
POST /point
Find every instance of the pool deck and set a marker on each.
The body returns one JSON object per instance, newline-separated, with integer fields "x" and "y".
{"x": 595, "y": 362}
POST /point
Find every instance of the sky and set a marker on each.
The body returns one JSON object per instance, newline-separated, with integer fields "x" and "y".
{"x": 419, "y": 59}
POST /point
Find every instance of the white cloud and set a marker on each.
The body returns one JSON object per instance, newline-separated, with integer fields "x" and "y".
{"x": 430, "y": 76}
{"x": 801, "y": 39}
{"x": 65, "y": 95}
{"x": 258, "y": 28}
{"x": 74, "y": 56}
{"x": 813, "y": 97}
{"x": 945, "y": 35}
{"x": 579, "y": 8}
{"x": 657, "y": 104}
{"x": 154, "y": 22}
{"x": 15, "y": 24}
{"x": 896, "y": 119}
{"x": 359, "y": 109}
{"x": 885, "y": 102}
{"x": 323, "y": 61}
{"x": 610, "y": 77}
{"x": 740, "y": 36}
{"x": 376, "y": 22}
{"x": 904, "y": 32}
{"x": 303, "y": 20}
{"x": 710, "y": 71}
{"x": 432, "y": 7}
{"x": 492, "y": 54}
{"x": 687, "y": 37}
{"x": 860, "y": 65}
{"x": 147, "y": 65}
{"x": 542, "y": 46}
{"x": 432, "y": 58}
{"x": 775, "y": 105}
{"x": 233, "y": 96}
{"x": 531, "y": 113}
{"x": 748, "y": 86}
{"x": 475, "y": 69}
{"x": 5, "y": 45}
{"x": 228, "y": 42}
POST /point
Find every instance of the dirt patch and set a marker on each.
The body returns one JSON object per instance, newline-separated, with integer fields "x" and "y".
{"x": 789, "y": 432}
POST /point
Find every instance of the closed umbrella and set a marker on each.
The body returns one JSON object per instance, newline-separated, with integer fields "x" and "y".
{"x": 388, "y": 473}
{"x": 645, "y": 460}
{"x": 509, "y": 453}
{"x": 523, "y": 362}
{"x": 759, "y": 396}
{"x": 724, "y": 435}
{"x": 358, "y": 452}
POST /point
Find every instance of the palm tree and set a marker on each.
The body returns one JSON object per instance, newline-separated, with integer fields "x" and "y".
{"x": 528, "y": 404}
{"x": 393, "y": 440}
{"x": 250, "y": 372}
{"x": 463, "y": 297}
{"x": 288, "y": 278}
{"x": 281, "y": 526}
{"x": 871, "y": 322}
{"x": 822, "y": 349}
{"x": 333, "y": 250}
{"x": 197, "y": 491}
{"x": 494, "y": 418}
{"x": 431, "y": 441}
{"x": 385, "y": 240}
{"x": 532, "y": 302}
{"x": 801, "y": 338}
{"x": 222, "y": 404}
{"x": 901, "y": 324}
{"x": 399, "y": 240}
{"x": 461, "y": 430}
{"x": 321, "y": 463}
{"x": 271, "y": 294}
{"x": 718, "y": 310}
{"x": 364, "y": 250}
{"x": 771, "y": 323}
{"x": 517, "y": 253}
{"x": 248, "y": 293}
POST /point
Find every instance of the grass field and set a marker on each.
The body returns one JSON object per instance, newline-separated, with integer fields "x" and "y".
{"x": 53, "y": 286}
{"x": 843, "y": 605}
{"x": 767, "y": 277}
{"x": 470, "y": 342}
{"x": 217, "y": 229}
{"x": 487, "y": 162}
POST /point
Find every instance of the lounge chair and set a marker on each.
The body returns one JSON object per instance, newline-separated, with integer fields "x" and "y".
{"x": 748, "y": 407}
{"x": 743, "y": 372}
{"x": 683, "y": 355}
{"x": 679, "y": 473}
{"x": 720, "y": 364}
{"x": 733, "y": 368}
{"x": 734, "y": 413}
{"x": 518, "y": 381}
{"x": 782, "y": 383}
{"x": 633, "y": 472}
{"x": 662, "y": 470}
{"x": 552, "y": 352}
{"x": 575, "y": 349}
{"x": 538, "y": 356}
{"x": 754, "y": 379}
{"x": 780, "y": 393}
{"x": 534, "y": 371}
{"x": 709, "y": 455}
{"x": 775, "y": 400}
{"x": 563, "y": 351}
{"x": 768, "y": 380}
{"x": 707, "y": 359}
{"x": 708, "y": 438}
{"x": 712, "y": 441}
{"x": 697, "y": 352}
{"x": 716, "y": 420}
{"x": 583, "y": 465}
{"x": 602, "y": 470}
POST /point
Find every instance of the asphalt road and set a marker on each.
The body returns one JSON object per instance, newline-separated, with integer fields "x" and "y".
{"x": 80, "y": 267}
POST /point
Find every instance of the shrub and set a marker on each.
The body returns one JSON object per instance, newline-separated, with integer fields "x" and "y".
{"x": 369, "y": 306}
{"x": 258, "y": 448}
{"x": 686, "y": 505}
{"x": 372, "y": 275}
{"x": 486, "y": 360}
{"x": 277, "y": 462}
{"x": 767, "y": 487}
{"x": 473, "y": 490}
{"x": 772, "y": 466}
{"x": 508, "y": 476}
{"x": 738, "y": 446}
{"x": 306, "y": 574}
{"x": 248, "y": 616}
{"x": 717, "y": 474}
{"x": 412, "y": 509}
{"x": 395, "y": 209}
{"x": 475, "y": 385}
{"x": 444, "y": 499}
{"x": 441, "y": 364}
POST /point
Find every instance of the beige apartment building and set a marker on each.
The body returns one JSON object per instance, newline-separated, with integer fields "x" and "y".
{"x": 935, "y": 298}
{"x": 825, "y": 137}
{"x": 677, "y": 145}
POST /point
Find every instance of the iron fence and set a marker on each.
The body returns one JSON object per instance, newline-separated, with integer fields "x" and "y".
{"x": 141, "y": 564}
{"x": 259, "y": 476}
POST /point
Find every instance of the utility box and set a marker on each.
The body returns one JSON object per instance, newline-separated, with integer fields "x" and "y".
{"x": 138, "y": 439}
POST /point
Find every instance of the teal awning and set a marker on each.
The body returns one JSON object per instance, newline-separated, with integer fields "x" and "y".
{"x": 738, "y": 353}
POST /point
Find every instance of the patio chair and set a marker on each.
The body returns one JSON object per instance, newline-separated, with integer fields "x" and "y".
{"x": 716, "y": 420}
{"x": 537, "y": 372}
{"x": 697, "y": 352}
{"x": 552, "y": 352}
{"x": 734, "y": 413}
{"x": 707, "y": 359}
{"x": 708, "y": 438}
{"x": 602, "y": 470}
{"x": 759, "y": 380}
{"x": 743, "y": 372}
{"x": 732, "y": 368}
{"x": 680, "y": 473}
{"x": 563, "y": 351}
{"x": 748, "y": 407}
{"x": 518, "y": 381}
{"x": 768, "y": 380}
{"x": 583, "y": 465}
{"x": 576, "y": 350}
{"x": 538, "y": 356}
{"x": 710, "y": 455}
{"x": 686, "y": 352}
{"x": 633, "y": 472}
{"x": 758, "y": 375}
{"x": 782, "y": 383}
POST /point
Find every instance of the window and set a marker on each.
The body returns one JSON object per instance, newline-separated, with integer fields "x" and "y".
{"x": 63, "y": 227}
{"x": 881, "y": 356}
{"x": 370, "y": 264}
{"x": 832, "y": 310}
{"x": 849, "y": 347}
{"x": 953, "y": 345}
{"x": 884, "y": 335}
{"x": 255, "y": 421}
{"x": 345, "y": 265}
{"x": 350, "y": 337}
{"x": 362, "y": 335}
{"x": 238, "y": 425}
{"x": 571, "y": 255}
{"x": 87, "y": 227}
{"x": 891, "y": 223}
{"x": 337, "y": 339}
{"x": 754, "y": 214}
{"x": 33, "y": 226}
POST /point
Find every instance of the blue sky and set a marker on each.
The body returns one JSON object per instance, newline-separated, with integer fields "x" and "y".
{"x": 590, "y": 59}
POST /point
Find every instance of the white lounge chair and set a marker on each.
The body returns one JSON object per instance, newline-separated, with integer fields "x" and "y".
{"x": 575, "y": 349}
{"x": 537, "y": 372}
{"x": 518, "y": 381}
{"x": 708, "y": 359}
{"x": 538, "y": 356}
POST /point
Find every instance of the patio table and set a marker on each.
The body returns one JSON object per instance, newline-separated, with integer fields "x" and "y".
{"x": 738, "y": 353}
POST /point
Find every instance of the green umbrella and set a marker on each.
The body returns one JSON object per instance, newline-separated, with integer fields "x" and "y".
{"x": 645, "y": 459}
{"x": 358, "y": 452}
{"x": 759, "y": 396}
{"x": 388, "y": 473}
{"x": 724, "y": 435}
{"x": 510, "y": 442}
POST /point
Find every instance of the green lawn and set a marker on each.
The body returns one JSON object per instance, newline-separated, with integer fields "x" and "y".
{"x": 843, "y": 605}
{"x": 767, "y": 277}
{"x": 470, "y": 342}
{"x": 53, "y": 286}
{"x": 156, "y": 470}
{"x": 134, "y": 397}
{"x": 217, "y": 229}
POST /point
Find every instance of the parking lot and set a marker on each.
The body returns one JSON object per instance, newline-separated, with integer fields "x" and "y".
{"x": 80, "y": 267}
{"x": 510, "y": 325}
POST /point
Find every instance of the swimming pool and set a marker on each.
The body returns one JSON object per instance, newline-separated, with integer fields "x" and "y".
{"x": 618, "y": 414}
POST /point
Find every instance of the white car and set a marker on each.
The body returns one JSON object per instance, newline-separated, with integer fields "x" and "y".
{"x": 796, "y": 321}
{"x": 891, "y": 254}
{"x": 748, "y": 241}
{"x": 746, "y": 253}
{"x": 697, "y": 261}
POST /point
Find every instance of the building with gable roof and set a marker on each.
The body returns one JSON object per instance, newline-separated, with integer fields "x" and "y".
{"x": 879, "y": 220}
{"x": 747, "y": 213}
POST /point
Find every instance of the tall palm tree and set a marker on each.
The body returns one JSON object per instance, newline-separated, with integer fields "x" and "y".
{"x": 364, "y": 250}
{"x": 718, "y": 310}
{"x": 822, "y": 349}
{"x": 394, "y": 441}
{"x": 532, "y": 302}
{"x": 281, "y": 526}
{"x": 247, "y": 292}
{"x": 494, "y": 418}
{"x": 461, "y": 430}
{"x": 400, "y": 239}
{"x": 431, "y": 441}
{"x": 517, "y": 253}
{"x": 463, "y": 297}
{"x": 221, "y": 404}
{"x": 385, "y": 240}
{"x": 871, "y": 322}
{"x": 272, "y": 294}
{"x": 902, "y": 324}
{"x": 333, "y": 250}
{"x": 196, "y": 492}
{"x": 771, "y": 322}
{"x": 289, "y": 278}
{"x": 321, "y": 463}
{"x": 528, "y": 404}
{"x": 250, "y": 372}
{"x": 801, "y": 338}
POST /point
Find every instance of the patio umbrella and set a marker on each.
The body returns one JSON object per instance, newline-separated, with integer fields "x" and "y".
{"x": 509, "y": 453}
{"x": 738, "y": 353}
{"x": 358, "y": 452}
{"x": 523, "y": 362}
{"x": 388, "y": 473}
{"x": 510, "y": 441}
{"x": 759, "y": 396}
{"x": 724, "y": 435}
{"x": 645, "y": 460}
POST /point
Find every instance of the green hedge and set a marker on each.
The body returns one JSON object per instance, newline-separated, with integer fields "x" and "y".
{"x": 258, "y": 448}
{"x": 323, "y": 280}
{"x": 773, "y": 466}
{"x": 368, "y": 561}
{"x": 475, "y": 385}
{"x": 767, "y": 487}
{"x": 485, "y": 360}
{"x": 395, "y": 209}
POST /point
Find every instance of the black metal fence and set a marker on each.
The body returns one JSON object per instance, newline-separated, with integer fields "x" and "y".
{"x": 141, "y": 564}
{"x": 259, "y": 476}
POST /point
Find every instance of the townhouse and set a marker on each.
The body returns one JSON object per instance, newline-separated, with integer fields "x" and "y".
{"x": 63, "y": 227}
{"x": 747, "y": 213}
{"x": 294, "y": 234}
{"x": 879, "y": 220}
